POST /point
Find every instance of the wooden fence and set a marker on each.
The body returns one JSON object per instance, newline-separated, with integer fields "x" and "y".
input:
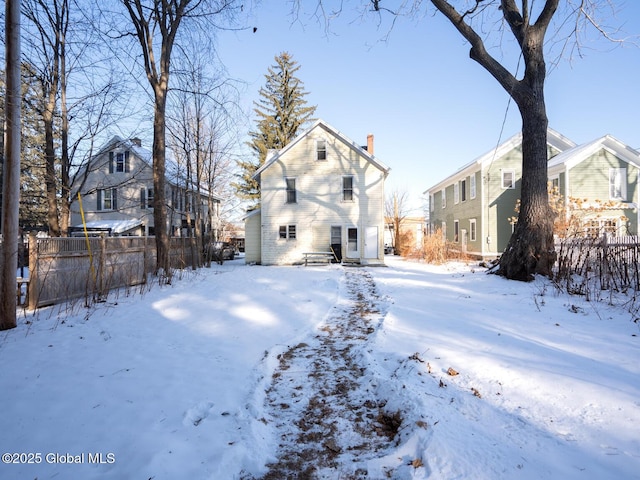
{"x": 61, "y": 269}
{"x": 613, "y": 261}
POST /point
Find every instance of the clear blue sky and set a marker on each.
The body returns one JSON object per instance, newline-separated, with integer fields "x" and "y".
{"x": 430, "y": 107}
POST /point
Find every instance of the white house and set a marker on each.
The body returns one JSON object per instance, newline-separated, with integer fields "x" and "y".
{"x": 321, "y": 192}
{"x": 117, "y": 193}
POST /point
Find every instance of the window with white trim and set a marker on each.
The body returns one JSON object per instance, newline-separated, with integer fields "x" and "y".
{"x": 456, "y": 231}
{"x": 107, "y": 199}
{"x": 472, "y": 230}
{"x": 321, "y": 149}
{"x": 146, "y": 198}
{"x": 444, "y": 198}
{"x": 347, "y": 189}
{"x": 291, "y": 190}
{"x": 618, "y": 183}
{"x": 508, "y": 179}
{"x": 287, "y": 232}
{"x": 472, "y": 186}
{"x": 463, "y": 190}
{"x": 119, "y": 162}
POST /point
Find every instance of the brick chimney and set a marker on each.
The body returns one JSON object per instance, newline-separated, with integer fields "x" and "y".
{"x": 370, "y": 143}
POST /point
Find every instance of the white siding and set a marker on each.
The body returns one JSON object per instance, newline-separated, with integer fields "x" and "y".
{"x": 319, "y": 198}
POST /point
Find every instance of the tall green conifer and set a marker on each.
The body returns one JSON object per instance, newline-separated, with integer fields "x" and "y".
{"x": 281, "y": 111}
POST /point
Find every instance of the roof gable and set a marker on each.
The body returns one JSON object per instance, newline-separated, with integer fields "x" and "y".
{"x": 276, "y": 155}
{"x": 554, "y": 140}
{"x": 578, "y": 154}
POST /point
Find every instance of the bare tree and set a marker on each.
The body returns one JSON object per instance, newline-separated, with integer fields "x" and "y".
{"x": 531, "y": 248}
{"x": 156, "y": 24}
{"x": 396, "y": 210}
{"x": 11, "y": 169}
{"x": 46, "y": 48}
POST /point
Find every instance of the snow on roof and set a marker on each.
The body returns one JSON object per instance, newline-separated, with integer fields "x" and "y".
{"x": 114, "y": 226}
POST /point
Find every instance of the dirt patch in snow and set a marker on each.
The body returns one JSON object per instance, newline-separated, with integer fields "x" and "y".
{"x": 322, "y": 401}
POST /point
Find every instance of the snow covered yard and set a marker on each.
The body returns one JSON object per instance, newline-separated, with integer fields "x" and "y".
{"x": 173, "y": 383}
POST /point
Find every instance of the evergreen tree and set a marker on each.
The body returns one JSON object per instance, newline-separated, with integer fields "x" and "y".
{"x": 281, "y": 112}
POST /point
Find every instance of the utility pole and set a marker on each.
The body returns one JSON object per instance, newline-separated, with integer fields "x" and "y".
{"x": 11, "y": 168}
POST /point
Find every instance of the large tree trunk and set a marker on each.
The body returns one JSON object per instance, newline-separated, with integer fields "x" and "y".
{"x": 531, "y": 247}
{"x": 159, "y": 200}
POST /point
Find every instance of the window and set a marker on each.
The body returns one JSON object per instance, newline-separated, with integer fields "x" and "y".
{"x": 146, "y": 198}
{"x": 472, "y": 230}
{"x": 456, "y": 230}
{"x": 456, "y": 192}
{"x": 291, "y": 190}
{"x": 119, "y": 162}
{"x": 444, "y": 198}
{"x": 352, "y": 240}
{"x": 601, "y": 226}
{"x": 347, "y": 189}
{"x": 472, "y": 186}
{"x": 463, "y": 190}
{"x": 107, "y": 199}
{"x": 508, "y": 179}
{"x": 321, "y": 149}
{"x": 287, "y": 232}
{"x": 618, "y": 183}
{"x": 554, "y": 184}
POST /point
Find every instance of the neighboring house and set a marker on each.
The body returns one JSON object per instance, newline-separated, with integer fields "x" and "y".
{"x": 117, "y": 194}
{"x": 603, "y": 175}
{"x": 411, "y": 235}
{"x": 473, "y": 206}
{"x": 321, "y": 191}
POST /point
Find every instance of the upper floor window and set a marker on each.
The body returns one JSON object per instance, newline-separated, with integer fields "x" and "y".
{"x": 119, "y": 162}
{"x": 463, "y": 190}
{"x": 618, "y": 183}
{"x": 321, "y": 149}
{"x": 107, "y": 199}
{"x": 472, "y": 186}
{"x": 508, "y": 179}
{"x": 444, "y": 198}
{"x": 291, "y": 190}
{"x": 146, "y": 198}
{"x": 347, "y": 189}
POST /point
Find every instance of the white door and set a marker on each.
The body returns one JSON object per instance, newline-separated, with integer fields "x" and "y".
{"x": 371, "y": 242}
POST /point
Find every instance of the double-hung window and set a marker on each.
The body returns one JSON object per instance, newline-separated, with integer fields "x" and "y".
{"x": 472, "y": 186}
{"x": 618, "y": 184}
{"x": 119, "y": 162}
{"x": 291, "y": 190}
{"x": 472, "y": 230}
{"x": 146, "y": 198}
{"x": 508, "y": 179}
{"x": 347, "y": 189}
{"x": 321, "y": 149}
{"x": 107, "y": 199}
{"x": 463, "y": 190}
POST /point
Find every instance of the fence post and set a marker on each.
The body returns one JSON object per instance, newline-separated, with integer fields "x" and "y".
{"x": 605, "y": 261}
{"x": 32, "y": 288}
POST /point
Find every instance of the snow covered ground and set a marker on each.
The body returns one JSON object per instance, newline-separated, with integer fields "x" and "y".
{"x": 173, "y": 383}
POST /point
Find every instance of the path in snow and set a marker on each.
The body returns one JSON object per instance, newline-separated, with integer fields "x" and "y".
{"x": 321, "y": 399}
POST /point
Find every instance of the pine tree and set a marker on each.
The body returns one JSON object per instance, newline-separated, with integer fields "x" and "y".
{"x": 281, "y": 112}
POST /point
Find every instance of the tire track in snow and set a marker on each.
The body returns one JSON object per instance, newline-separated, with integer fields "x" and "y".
{"x": 321, "y": 399}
